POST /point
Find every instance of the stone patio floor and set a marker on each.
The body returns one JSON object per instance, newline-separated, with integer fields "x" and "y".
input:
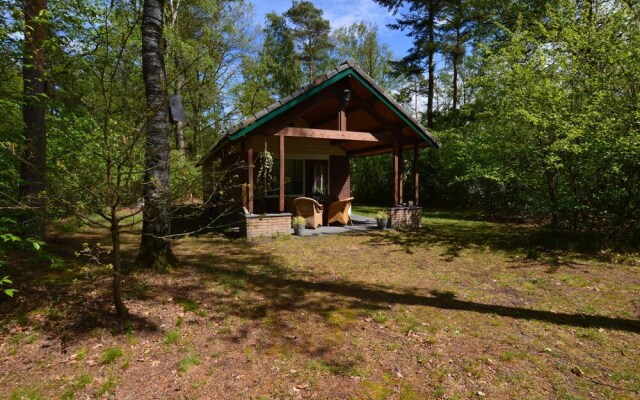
{"x": 360, "y": 224}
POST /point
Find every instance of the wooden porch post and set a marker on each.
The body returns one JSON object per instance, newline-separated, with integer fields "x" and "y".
{"x": 249, "y": 145}
{"x": 416, "y": 175}
{"x": 396, "y": 196}
{"x": 281, "y": 155}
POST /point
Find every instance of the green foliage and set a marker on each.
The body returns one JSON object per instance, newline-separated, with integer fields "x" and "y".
{"x": 265, "y": 165}
{"x": 553, "y": 123}
{"x": 186, "y": 184}
{"x": 298, "y": 221}
{"x": 207, "y": 41}
{"x": 279, "y": 57}
{"x": 372, "y": 179}
{"x": 295, "y": 46}
{"x": 360, "y": 41}
{"x": 254, "y": 93}
{"x": 548, "y": 128}
{"x": 310, "y": 33}
{"x": 381, "y": 214}
{"x": 9, "y": 241}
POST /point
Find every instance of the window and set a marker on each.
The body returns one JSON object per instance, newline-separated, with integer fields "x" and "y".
{"x": 293, "y": 174}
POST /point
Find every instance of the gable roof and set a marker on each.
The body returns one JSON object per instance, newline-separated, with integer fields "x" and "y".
{"x": 344, "y": 70}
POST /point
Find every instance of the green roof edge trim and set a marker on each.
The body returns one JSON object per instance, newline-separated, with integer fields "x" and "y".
{"x": 347, "y": 72}
{"x": 290, "y": 104}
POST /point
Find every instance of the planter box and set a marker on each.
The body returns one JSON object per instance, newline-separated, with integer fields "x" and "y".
{"x": 253, "y": 226}
{"x": 405, "y": 217}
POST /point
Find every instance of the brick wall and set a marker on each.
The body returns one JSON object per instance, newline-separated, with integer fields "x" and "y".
{"x": 405, "y": 217}
{"x": 266, "y": 225}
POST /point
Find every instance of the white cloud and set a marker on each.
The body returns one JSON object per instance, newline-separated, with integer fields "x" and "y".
{"x": 346, "y": 12}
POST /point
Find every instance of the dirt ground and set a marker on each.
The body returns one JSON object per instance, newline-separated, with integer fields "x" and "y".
{"x": 457, "y": 310}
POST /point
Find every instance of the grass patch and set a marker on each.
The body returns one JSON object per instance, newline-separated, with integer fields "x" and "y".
{"x": 79, "y": 383}
{"x": 110, "y": 355}
{"x": 83, "y": 381}
{"x": 377, "y": 390}
{"x": 108, "y": 387}
{"x": 187, "y": 362}
{"x": 26, "y": 394}
{"x": 172, "y": 336}
{"x": 513, "y": 355}
{"x": 342, "y": 318}
{"x": 81, "y": 354}
{"x": 343, "y": 366}
{"x": 380, "y": 317}
{"x": 188, "y": 305}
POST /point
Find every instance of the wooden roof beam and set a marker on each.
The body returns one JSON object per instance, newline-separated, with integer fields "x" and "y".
{"x": 333, "y": 135}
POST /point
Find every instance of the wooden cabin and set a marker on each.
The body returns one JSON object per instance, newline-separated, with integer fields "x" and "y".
{"x": 316, "y": 131}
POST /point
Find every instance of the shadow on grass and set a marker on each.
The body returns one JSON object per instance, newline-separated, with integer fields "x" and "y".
{"x": 238, "y": 266}
{"x": 529, "y": 242}
{"x": 283, "y": 291}
{"x": 63, "y": 303}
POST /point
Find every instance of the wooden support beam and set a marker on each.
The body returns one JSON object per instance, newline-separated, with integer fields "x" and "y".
{"x": 416, "y": 176}
{"x": 334, "y": 135}
{"x": 249, "y": 145}
{"x": 395, "y": 174}
{"x": 281, "y": 156}
{"x": 342, "y": 118}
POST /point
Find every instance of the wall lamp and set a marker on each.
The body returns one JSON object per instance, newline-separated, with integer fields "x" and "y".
{"x": 346, "y": 97}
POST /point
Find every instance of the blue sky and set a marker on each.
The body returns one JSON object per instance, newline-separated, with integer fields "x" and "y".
{"x": 343, "y": 13}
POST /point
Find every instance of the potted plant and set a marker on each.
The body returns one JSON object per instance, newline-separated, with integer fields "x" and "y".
{"x": 381, "y": 219}
{"x": 299, "y": 223}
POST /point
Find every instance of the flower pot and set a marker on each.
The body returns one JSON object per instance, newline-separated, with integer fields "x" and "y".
{"x": 382, "y": 223}
{"x": 298, "y": 230}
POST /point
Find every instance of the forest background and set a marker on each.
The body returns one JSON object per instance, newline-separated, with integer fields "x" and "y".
{"x": 535, "y": 103}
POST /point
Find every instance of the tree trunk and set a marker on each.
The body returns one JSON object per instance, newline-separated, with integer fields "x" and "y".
{"x": 33, "y": 163}
{"x": 155, "y": 249}
{"x": 179, "y": 125}
{"x": 456, "y": 63}
{"x": 121, "y": 309}
{"x": 431, "y": 61}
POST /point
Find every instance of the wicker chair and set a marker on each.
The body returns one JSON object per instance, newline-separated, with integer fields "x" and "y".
{"x": 339, "y": 211}
{"x": 310, "y": 209}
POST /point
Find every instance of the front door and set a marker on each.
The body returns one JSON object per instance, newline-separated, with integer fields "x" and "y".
{"x": 316, "y": 178}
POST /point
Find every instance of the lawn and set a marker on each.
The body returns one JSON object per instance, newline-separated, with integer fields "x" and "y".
{"x": 460, "y": 309}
